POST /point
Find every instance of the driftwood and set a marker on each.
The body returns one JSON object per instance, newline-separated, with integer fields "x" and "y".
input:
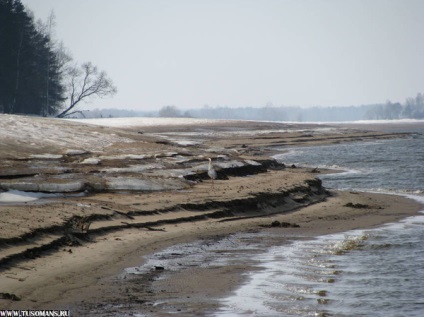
{"x": 119, "y": 212}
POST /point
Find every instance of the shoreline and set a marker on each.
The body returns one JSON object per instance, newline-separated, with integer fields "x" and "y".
{"x": 71, "y": 253}
{"x": 179, "y": 293}
{"x": 90, "y": 279}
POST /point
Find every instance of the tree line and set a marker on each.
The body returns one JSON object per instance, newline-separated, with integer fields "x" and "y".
{"x": 37, "y": 74}
{"x": 412, "y": 108}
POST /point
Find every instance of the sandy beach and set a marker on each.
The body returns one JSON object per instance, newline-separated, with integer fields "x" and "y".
{"x": 129, "y": 192}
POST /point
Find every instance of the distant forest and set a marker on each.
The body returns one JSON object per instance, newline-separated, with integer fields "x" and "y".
{"x": 412, "y": 108}
{"x": 37, "y": 75}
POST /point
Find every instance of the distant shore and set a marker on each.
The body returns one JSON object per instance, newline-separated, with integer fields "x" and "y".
{"x": 50, "y": 260}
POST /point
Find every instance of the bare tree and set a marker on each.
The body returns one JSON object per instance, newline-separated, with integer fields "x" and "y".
{"x": 169, "y": 112}
{"x": 85, "y": 83}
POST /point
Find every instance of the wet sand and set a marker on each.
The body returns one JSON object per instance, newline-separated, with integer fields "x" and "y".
{"x": 48, "y": 262}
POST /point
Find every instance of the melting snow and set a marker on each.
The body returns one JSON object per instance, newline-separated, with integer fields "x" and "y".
{"x": 140, "y": 122}
{"x": 54, "y": 132}
{"x": 250, "y": 162}
{"x": 17, "y": 196}
{"x": 75, "y": 152}
{"x": 127, "y": 183}
{"x": 132, "y": 168}
{"x": 46, "y": 156}
{"x": 124, "y": 156}
{"x": 184, "y": 142}
{"x": 91, "y": 161}
{"x": 47, "y": 187}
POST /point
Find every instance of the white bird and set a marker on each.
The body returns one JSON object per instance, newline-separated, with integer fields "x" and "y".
{"x": 211, "y": 171}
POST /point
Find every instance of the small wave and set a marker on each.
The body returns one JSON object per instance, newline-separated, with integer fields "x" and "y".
{"x": 349, "y": 243}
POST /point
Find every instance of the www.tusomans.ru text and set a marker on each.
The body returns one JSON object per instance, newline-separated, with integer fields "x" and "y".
{"x": 35, "y": 313}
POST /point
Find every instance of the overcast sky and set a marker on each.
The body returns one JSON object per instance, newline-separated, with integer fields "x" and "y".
{"x": 189, "y": 53}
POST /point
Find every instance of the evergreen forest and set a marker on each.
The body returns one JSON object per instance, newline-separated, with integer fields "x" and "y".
{"x": 31, "y": 68}
{"x": 36, "y": 73}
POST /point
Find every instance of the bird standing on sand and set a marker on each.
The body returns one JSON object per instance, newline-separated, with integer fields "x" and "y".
{"x": 211, "y": 171}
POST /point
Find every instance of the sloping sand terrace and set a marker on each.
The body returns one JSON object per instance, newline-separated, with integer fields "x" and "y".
{"x": 90, "y": 198}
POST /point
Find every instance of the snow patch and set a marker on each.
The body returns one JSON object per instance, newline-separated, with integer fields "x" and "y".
{"x": 132, "y": 168}
{"x": 172, "y": 173}
{"x": 250, "y": 162}
{"x": 46, "y": 156}
{"x": 185, "y": 142}
{"x": 17, "y": 196}
{"x": 146, "y": 122}
{"x": 68, "y": 187}
{"x": 125, "y": 156}
{"x": 61, "y": 133}
{"x": 49, "y": 187}
{"x": 91, "y": 161}
{"x": 127, "y": 183}
{"x": 75, "y": 152}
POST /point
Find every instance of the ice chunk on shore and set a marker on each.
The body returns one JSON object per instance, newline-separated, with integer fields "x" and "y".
{"x": 20, "y": 186}
{"x": 75, "y": 152}
{"x": 91, "y": 161}
{"x": 46, "y": 156}
{"x": 254, "y": 163}
{"x": 17, "y": 196}
{"x": 133, "y": 168}
{"x": 67, "y": 187}
{"x": 128, "y": 183}
{"x": 47, "y": 186}
{"x": 186, "y": 142}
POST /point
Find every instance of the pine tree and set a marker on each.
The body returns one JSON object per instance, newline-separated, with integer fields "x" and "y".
{"x": 30, "y": 69}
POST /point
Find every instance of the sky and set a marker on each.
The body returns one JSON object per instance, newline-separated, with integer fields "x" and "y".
{"x": 191, "y": 53}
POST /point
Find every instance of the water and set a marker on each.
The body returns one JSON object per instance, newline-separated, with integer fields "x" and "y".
{"x": 375, "y": 272}
{"x": 359, "y": 273}
{"x": 386, "y": 166}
